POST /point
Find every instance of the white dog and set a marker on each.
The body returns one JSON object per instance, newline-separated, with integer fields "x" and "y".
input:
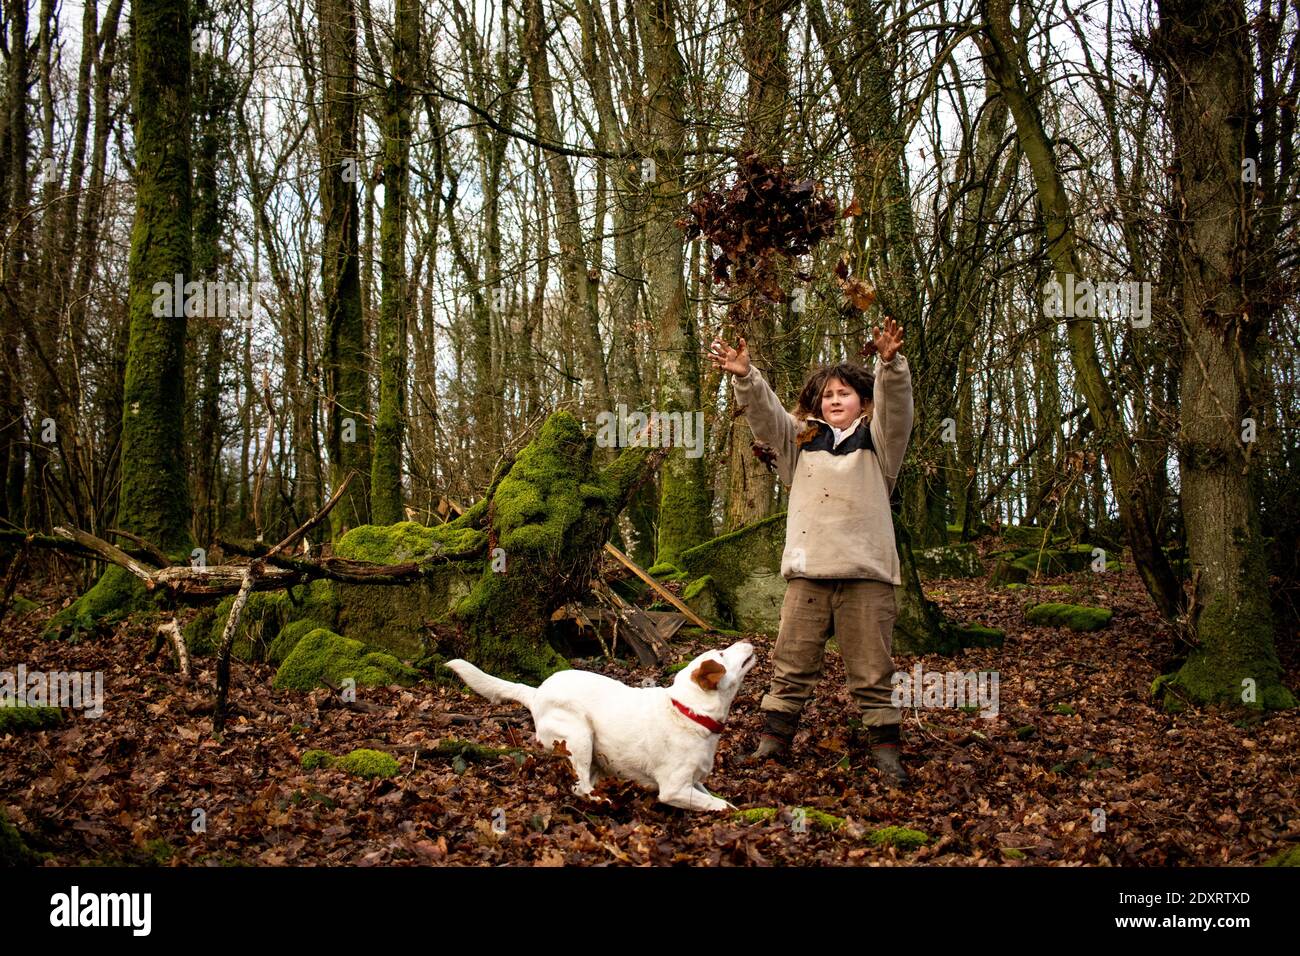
{"x": 662, "y": 737}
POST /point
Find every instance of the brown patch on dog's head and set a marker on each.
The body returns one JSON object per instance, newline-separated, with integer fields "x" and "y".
{"x": 709, "y": 674}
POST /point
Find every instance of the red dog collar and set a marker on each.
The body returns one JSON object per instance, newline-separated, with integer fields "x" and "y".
{"x": 700, "y": 719}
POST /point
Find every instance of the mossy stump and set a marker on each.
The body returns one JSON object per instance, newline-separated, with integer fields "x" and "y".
{"x": 547, "y": 523}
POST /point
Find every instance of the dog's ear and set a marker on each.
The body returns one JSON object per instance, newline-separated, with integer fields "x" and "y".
{"x": 709, "y": 674}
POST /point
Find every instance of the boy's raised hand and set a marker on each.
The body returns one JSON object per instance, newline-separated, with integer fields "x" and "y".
{"x": 890, "y": 340}
{"x": 732, "y": 360}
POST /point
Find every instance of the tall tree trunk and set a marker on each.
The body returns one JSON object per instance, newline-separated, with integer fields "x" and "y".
{"x": 1203, "y": 48}
{"x": 751, "y": 488}
{"x": 578, "y": 292}
{"x": 154, "y": 501}
{"x": 386, "y": 483}
{"x": 346, "y": 368}
{"x": 685, "y": 499}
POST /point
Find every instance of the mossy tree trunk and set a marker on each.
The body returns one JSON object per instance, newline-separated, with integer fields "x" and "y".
{"x": 764, "y": 52}
{"x": 345, "y": 362}
{"x": 213, "y": 101}
{"x": 685, "y": 500}
{"x": 549, "y": 519}
{"x": 1204, "y": 50}
{"x": 155, "y": 498}
{"x": 386, "y": 474}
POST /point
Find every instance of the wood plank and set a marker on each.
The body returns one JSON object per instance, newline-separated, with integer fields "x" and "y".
{"x": 659, "y": 588}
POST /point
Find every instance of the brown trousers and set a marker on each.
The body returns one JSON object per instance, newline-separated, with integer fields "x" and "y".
{"x": 861, "y": 615}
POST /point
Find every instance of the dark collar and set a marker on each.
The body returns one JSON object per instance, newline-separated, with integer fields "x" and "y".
{"x": 700, "y": 719}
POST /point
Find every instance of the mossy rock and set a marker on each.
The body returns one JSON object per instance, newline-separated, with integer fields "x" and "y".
{"x": 21, "y": 605}
{"x": 745, "y": 571}
{"x": 977, "y": 635}
{"x": 321, "y": 655}
{"x": 1074, "y": 616}
{"x": 1028, "y": 536}
{"x": 115, "y": 595}
{"x": 900, "y": 837}
{"x": 395, "y": 617}
{"x": 264, "y": 616}
{"x": 14, "y": 719}
{"x": 14, "y": 850}
{"x": 1007, "y": 572}
{"x": 701, "y": 597}
{"x": 288, "y": 639}
{"x": 1288, "y": 857}
{"x": 953, "y": 561}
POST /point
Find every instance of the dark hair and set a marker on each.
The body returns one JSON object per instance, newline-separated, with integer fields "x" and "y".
{"x": 851, "y": 374}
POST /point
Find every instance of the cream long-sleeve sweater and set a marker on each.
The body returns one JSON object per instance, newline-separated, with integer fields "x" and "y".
{"x": 839, "y": 524}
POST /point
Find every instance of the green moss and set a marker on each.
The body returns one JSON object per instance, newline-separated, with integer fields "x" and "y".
{"x": 116, "y": 594}
{"x": 755, "y": 815}
{"x": 1073, "y": 616}
{"x": 663, "y": 571}
{"x": 23, "y": 606}
{"x": 900, "y": 837}
{"x": 264, "y": 617}
{"x": 1025, "y": 732}
{"x": 409, "y": 541}
{"x": 539, "y": 499}
{"x": 316, "y": 758}
{"x": 15, "y": 719}
{"x": 322, "y": 655}
{"x": 1028, "y": 536}
{"x": 368, "y": 763}
{"x": 727, "y": 557}
{"x": 977, "y": 635}
{"x": 822, "y": 820}
{"x": 1236, "y": 650}
{"x": 14, "y": 851}
{"x": 1011, "y": 853}
{"x": 289, "y": 637}
{"x": 1065, "y": 709}
{"x": 1288, "y": 857}
{"x": 159, "y": 851}
{"x": 811, "y": 815}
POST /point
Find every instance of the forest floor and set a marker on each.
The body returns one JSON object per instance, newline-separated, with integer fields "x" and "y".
{"x": 1076, "y": 768}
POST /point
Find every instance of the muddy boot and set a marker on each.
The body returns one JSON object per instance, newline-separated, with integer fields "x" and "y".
{"x": 883, "y": 742}
{"x": 778, "y": 731}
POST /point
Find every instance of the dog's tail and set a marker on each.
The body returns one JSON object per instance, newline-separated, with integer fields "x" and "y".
{"x": 493, "y": 688}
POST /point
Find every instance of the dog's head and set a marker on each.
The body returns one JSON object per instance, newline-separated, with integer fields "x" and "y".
{"x": 713, "y": 678}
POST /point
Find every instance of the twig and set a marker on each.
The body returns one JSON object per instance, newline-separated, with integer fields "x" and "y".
{"x": 314, "y": 520}
{"x": 227, "y": 641}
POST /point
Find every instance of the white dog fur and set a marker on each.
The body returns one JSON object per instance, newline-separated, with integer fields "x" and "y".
{"x": 637, "y": 733}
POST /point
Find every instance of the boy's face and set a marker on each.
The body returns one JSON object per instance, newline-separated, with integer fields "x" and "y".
{"x": 840, "y": 403}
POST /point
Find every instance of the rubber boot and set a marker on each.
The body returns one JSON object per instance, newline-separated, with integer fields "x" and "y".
{"x": 884, "y": 742}
{"x": 778, "y": 732}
